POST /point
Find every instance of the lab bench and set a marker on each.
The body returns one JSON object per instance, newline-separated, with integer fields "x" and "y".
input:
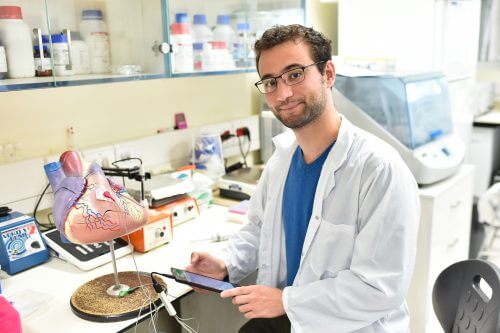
{"x": 46, "y": 290}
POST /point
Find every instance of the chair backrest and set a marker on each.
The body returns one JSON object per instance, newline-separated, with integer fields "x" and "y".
{"x": 460, "y": 301}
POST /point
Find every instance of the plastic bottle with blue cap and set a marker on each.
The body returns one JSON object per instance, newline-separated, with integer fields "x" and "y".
{"x": 223, "y": 31}
{"x": 95, "y": 33}
{"x": 240, "y": 45}
{"x": 201, "y": 32}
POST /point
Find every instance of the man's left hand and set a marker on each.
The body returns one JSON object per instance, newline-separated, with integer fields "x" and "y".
{"x": 257, "y": 301}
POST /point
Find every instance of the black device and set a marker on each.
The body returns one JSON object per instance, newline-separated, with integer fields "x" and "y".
{"x": 201, "y": 281}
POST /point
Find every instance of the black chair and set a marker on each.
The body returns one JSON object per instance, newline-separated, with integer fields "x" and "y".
{"x": 459, "y": 300}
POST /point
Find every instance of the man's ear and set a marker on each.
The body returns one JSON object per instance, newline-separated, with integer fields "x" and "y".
{"x": 329, "y": 73}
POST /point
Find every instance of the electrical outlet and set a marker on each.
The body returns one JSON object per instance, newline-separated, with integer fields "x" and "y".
{"x": 103, "y": 156}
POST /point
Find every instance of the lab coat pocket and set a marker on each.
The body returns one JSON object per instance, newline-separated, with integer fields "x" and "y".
{"x": 331, "y": 249}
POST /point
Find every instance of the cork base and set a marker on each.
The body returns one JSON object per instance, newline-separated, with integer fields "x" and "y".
{"x": 92, "y": 302}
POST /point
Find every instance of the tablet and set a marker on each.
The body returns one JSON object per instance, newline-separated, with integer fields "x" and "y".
{"x": 201, "y": 281}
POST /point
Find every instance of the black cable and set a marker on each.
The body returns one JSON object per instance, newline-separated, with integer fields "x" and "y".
{"x": 42, "y": 227}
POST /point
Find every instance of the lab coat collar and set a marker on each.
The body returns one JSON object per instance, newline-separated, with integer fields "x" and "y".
{"x": 286, "y": 144}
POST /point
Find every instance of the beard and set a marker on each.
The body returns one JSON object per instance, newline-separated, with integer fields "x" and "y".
{"x": 313, "y": 108}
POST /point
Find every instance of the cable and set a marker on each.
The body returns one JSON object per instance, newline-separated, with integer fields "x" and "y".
{"x": 41, "y": 226}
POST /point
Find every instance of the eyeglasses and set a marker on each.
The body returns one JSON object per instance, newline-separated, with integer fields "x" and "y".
{"x": 290, "y": 77}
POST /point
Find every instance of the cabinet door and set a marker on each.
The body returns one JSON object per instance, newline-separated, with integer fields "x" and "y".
{"x": 111, "y": 40}
{"x": 247, "y": 20}
{"x": 17, "y": 37}
{"x": 95, "y": 41}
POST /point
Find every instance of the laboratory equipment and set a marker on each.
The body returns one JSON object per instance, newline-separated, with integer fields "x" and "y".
{"x": 240, "y": 183}
{"x": 85, "y": 256}
{"x": 156, "y": 232}
{"x": 21, "y": 245}
{"x": 411, "y": 113}
{"x": 94, "y": 209}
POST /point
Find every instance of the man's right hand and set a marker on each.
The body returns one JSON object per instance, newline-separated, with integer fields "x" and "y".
{"x": 206, "y": 264}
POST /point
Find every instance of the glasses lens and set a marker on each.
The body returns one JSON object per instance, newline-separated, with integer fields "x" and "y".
{"x": 267, "y": 85}
{"x": 294, "y": 76}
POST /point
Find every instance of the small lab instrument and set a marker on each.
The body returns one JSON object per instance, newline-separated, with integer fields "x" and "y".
{"x": 411, "y": 113}
{"x": 161, "y": 189}
{"x": 181, "y": 210}
{"x": 21, "y": 245}
{"x": 156, "y": 232}
{"x": 85, "y": 256}
{"x": 240, "y": 183}
{"x": 201, "y": 281}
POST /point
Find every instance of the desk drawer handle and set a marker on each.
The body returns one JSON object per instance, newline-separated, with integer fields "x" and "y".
{"x": 456, "y": 204}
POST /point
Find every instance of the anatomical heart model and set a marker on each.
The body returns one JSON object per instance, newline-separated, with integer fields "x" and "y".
{"x": 88, "y": 207}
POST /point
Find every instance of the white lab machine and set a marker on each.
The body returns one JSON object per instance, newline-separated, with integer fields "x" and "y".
{"x": 411, "y": 113}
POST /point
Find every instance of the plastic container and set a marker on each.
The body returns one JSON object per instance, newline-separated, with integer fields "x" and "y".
{"x": 223, "y": 31}
{"x": 182, "y": 60}
{"x": 95, "y": 33}
{"x": 3, "y": 62}
{"x": 10, "y": 320}
{"x": 43, "y": 66}
{"x": 240, "y": 45}
{"x": 80, "y": 56}
{"x": 198, "y": 56}
{"x": 201, "y": 32}
{"x": 60, "y": 53}
{"x": 16, "y": 38}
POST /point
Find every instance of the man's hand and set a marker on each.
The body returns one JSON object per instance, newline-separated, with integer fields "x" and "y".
{"x": 206, "y": 264}
{"x": 257, "y": 301}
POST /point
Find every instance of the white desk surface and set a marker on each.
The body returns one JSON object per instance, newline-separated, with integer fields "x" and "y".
{"x": 491, "y": 118}
{"x": 56, "y": 280}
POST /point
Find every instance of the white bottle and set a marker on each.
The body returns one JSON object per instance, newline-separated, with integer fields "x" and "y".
{"x": 3, "y": 62}
{"x": 201, "y": 32}
{"x": 182, "y": 60}
{"x": 223, "y": 31}
{"x": 240, "y": 45}
{"x": 95, "y": 33}
{"x": 16, "y": 38}
{"x": 80, "y": 57}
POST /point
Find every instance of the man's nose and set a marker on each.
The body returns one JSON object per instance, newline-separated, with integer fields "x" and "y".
{"x": 283, "y": 91}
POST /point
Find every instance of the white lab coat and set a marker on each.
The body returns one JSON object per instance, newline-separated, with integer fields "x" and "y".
{"x": 359, "y": 249}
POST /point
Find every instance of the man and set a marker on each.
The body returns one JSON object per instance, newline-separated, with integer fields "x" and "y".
{"x": 333, "y": 223}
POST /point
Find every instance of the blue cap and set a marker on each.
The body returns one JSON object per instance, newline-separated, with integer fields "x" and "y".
{"x": 53, "y": 166}
{"x": 223, "y": 19}
{"x": 56, "y": 38}
{"x": 198, "y": 46}
{"x": 92, "y": 14}
{"x": 181, "y": 18}
{"x": 243, "y": 26}
{"x": 37, "y": 47}
{"x": 200, "y": 19}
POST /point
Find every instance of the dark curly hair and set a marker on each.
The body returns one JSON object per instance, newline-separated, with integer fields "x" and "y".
{"x": 320, "y": 46}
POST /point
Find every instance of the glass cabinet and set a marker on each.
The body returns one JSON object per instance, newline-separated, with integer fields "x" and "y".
{"x": 49, "y": 43}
